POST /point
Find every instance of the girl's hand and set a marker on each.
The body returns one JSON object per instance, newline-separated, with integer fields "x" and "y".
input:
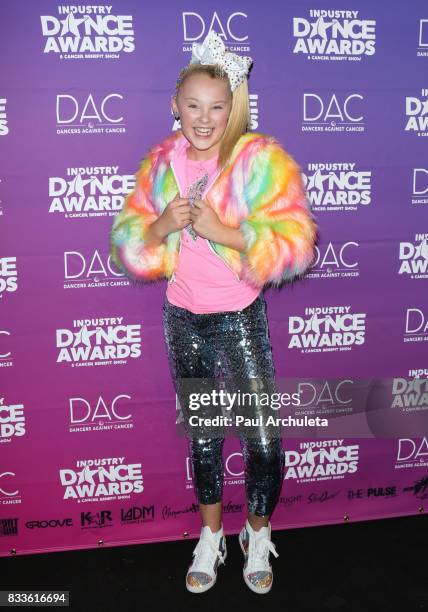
{"x": 204, "y": 220}
{"x": 175, "y": 216}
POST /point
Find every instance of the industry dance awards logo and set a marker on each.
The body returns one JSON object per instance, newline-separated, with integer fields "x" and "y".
{"x": 337, "y": 186}
{"x": 12, "y": 421}
{"x": 89, "y": 114}
{"x": 325, "y": 329}
{"x": 4, "y": 127}
{"x": 417, "y": 114}
{"x": 321, "y": 460}
{"x": 410, "y": 394}
{"x": 101, "y": 479}
{"x": 335, "y": 112}
{"x": 334, "y": 35}
{"x": 91, "y": 191}
{"x": 100, "y": 414}
{"x": 87, "y": 32}
{"x": 97, "y": 342}
{"x": 413, "y": 257}
{"x": 8, "y": 275}
{"x": 419, "y": 186}
{"x": 415, "y": 325}
{"x": 335, "y": 261}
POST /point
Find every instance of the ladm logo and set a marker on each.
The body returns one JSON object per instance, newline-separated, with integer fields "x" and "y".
{"x": 337, "y": 186}
{"x": 230, "y": 26}
{"x": 335, "y": 261}
{"x": 91, "y": 191}
{"x": 416, "y": 325}
{"x": 8, "y": 275}
{"x": 423, "y": 38}
{"x": 137, "y": 514}
{"x": 321, "y": 460}
{"x": 420, "y": 186}
{"x": 334, "y": 35}
{"x": 87, "y": 115}
{"x": 417, "y": 114}
{"x": 327, "y": 328}
{"x": 4, "y": 128}
{"x": 101, "y": 479}
{"x": 413, "y": 257}
{"x": 98, "y": 341}
{"x": 12, "y": 421}
{"x": 6, "y": 358}
{"x": 87, "y": 32}
{"x": 87, "y": 271}
{"x": 100, "y": 414}
{"x": 334, "y": 113}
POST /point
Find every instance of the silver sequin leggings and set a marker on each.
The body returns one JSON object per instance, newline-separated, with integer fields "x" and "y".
{"x": 239, "y": 341}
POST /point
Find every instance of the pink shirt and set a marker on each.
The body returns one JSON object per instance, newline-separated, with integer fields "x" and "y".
{"x": 202, "y": 281}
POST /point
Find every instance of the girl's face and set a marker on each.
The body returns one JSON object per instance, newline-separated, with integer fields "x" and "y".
{"x": 204, "y": 106}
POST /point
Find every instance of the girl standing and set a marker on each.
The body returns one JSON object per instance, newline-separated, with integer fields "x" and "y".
{"x": 221, "y": 213}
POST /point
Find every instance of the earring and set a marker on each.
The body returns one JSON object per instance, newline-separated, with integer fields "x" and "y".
{"x": 177, "y": 117}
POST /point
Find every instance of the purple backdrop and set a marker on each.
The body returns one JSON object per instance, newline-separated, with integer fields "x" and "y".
{"x": 90, "y": 453}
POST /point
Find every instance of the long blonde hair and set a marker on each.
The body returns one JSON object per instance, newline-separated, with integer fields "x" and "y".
{"x": 239, "y": 120}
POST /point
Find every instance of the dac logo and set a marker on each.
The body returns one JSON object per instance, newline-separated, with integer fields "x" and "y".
{"x": 89, "y": 116}
{"x": 92, "y": 271}
{"x": 334, "y": 114}
{"x": 416, "y": 326}
{"x": 195, "y": 27}
{"x": 100, "y": 415}
{"x": 335, "y": 262}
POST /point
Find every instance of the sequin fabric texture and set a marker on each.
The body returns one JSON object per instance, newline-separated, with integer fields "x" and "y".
{"x": 237, "y": 344}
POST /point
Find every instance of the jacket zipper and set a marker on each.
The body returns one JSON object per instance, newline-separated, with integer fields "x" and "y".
{"x": 208, "y": 241}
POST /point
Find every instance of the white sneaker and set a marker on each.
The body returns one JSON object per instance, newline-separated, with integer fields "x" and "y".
{"x": 256, "y": 546}
{"x": 208, "y": 553}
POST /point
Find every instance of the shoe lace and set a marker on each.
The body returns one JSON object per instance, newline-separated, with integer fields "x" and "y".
{"x": 205, "y": 552}
{"x": 259, "y": 555}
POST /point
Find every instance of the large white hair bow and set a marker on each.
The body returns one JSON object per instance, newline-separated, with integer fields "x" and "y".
{"x": 213, "y": 51}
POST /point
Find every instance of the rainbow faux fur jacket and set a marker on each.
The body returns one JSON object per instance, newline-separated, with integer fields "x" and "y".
{"x": 260, "y": 191}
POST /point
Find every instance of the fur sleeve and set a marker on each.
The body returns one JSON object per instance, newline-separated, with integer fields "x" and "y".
{"x": 127, "y": 238}
{"x": 280, "y": 231}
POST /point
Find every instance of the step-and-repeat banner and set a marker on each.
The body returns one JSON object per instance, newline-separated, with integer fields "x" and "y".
{"x": 90, "y": 451}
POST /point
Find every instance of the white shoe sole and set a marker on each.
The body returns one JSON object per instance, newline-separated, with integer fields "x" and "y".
{"x": 248, "y": 582}
{"x": 209, "y": 585}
